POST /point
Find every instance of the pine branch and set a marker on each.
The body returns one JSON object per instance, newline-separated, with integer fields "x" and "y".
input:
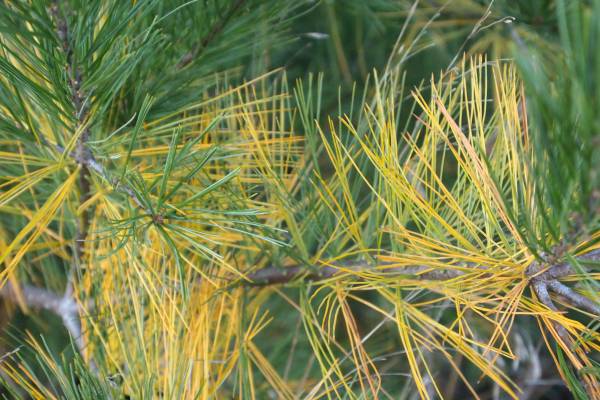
{"x": 81, "y": 111}
{"x": 90, "y": 161}
{"x": 274, "y": 275}
{"x": 541, "y": 289}
{"x": 216, "y": 29}
{"x": 64, "y": 306}
{"x": 543, "y": 280}
{"x": 87, "y": 158}
{"x": 573, "y": 297}
{"x": 82, "y": 153}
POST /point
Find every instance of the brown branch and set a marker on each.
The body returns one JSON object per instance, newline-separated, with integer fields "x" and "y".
{"x": 65, "y": 306}
{"x": 540, "y": 288}
{"x": 87, "y": 158}
{"x": 544, "y": 279}
{"x": 559, "y": 270}
{"x": 120, "y": 187}
{"x": 274, "y": 275}
{"x": 82, "y": 153}
{"x": 80, "y": 111}
{"x": 541, "y": 291}
{"x": 214, "y": 31}
{"x": 574, "y": 298}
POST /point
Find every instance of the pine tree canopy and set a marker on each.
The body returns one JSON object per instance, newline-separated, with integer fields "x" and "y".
{"x": 299, "y": 199}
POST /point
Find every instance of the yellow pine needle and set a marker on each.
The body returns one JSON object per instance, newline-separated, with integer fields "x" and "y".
{"x": 25, "y": 182}
{"x": 36, "y": 226}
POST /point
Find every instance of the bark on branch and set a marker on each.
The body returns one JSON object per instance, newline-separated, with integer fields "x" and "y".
{"x": 543, "y": 281}
{"x": 274, "y": 275}
{"x": 63, "y": 306}
{"x": 543, "y": 277}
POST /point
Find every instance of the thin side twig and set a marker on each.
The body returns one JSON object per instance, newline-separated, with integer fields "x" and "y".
{"x": 214, "y": 31}
{"x": 87, "y": 158}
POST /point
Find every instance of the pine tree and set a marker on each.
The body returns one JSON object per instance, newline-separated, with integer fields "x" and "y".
{"x": 179, "y": 220}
